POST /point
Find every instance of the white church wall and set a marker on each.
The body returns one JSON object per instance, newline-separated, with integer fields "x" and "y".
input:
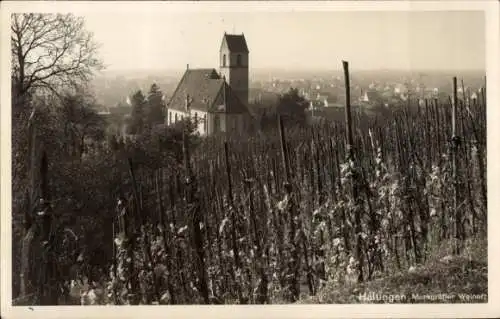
{"x": 202, "y": 118}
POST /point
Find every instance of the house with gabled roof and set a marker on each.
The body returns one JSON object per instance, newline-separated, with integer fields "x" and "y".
{"x": 216, "y": 101}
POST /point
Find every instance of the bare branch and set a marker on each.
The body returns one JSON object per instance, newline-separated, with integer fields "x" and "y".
{"x": 51, "y": 51}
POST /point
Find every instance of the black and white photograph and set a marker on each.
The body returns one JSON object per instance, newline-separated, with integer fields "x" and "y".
{"x": 189, "y": 154}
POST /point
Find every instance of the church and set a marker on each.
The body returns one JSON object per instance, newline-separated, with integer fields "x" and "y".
{"x": 216, "y": 101}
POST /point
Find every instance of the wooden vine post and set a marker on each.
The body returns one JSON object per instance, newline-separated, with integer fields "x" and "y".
{"x": 193, "y": 204}
{"x": 455, "y": 144}
{"x": 234, "y": 223}
{"x": 293, "y": 265}
{"x": 354, "y": 181}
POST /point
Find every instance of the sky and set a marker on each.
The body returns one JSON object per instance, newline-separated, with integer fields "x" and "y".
{"x": 430, "y": 40}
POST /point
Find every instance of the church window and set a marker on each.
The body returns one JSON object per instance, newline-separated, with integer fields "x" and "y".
{"x": 205, "y": 122}
{"x": 216, "y": 123}
{"x": 238, "y": 59}
{"x": 224, "y": 60}
{"x": 175, "y": 117}
{"x": 196, "y": 119}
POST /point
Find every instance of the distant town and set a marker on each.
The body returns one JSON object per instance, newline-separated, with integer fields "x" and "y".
{"x": 323, "y": 89}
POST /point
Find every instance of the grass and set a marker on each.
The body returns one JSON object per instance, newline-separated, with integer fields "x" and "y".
{"x": 443, "y": 278}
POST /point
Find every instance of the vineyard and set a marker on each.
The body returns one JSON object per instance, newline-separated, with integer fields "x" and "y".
{"x": 277, "y": 216}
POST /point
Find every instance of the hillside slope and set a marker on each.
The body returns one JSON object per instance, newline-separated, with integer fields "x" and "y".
{"x": 443, "y": 278}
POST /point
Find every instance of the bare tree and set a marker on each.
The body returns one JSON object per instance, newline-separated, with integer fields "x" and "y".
{"x": 51, "y": 52}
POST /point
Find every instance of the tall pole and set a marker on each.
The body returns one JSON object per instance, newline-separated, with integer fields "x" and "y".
{"x": 348, "y": 118}
{"x": 354, "y": 177}
{"x": 455, "y": 145}
{"x": 193, "y": 203}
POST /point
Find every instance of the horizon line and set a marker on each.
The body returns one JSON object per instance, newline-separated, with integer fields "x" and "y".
{"x": 295, "y": 69}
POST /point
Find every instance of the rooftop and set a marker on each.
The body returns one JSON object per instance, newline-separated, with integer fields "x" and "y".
{"x": 205, "y": 91}
{"x": 235, "y": 43}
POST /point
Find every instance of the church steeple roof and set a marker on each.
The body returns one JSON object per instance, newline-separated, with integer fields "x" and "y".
{"x": 235, "y": 43}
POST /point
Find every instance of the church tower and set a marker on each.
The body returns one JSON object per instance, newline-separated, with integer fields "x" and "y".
{"x": 234, "y": 64}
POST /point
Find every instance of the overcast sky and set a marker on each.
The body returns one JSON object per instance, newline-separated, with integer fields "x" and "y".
{"x": 301, "y": 40}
